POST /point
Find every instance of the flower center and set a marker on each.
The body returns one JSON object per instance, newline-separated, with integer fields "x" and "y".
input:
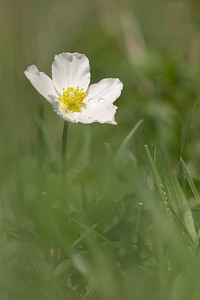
{"x": 72, "y": 99}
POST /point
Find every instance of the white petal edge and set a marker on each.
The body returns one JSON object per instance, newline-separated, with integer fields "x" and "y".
{"x": 94, "y": 112}
{"x": 70, "y": 70}
{"x": 42, "y": 83}
{"x": 108, "y": 90}
{"x": 99, "y": 103}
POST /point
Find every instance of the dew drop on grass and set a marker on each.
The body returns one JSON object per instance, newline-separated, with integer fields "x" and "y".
{"x": 169, "y": 266}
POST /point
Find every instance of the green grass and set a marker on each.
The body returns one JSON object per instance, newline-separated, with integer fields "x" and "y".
{"x": 130, "y": 226}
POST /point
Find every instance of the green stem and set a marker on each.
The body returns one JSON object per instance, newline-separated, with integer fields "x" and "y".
{"x": 63, "y": 162}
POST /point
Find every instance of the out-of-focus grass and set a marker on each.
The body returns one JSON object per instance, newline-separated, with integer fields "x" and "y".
{"x": 114, "y": 240}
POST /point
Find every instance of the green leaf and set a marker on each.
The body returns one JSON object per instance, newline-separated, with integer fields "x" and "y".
{"x": 175, "y": 193}
{"x": 177, "y": 200}
{"x": 156, "y": 175}
{"x": 63, "y": 268}
{"x": 126, "y": 140}
{"x": 83, "y": 235}
{"x": 190, "y": 181}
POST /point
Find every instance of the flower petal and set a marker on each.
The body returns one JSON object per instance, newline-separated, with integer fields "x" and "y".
{"x": 65, "y": 116}
{"x": 99, "y": 103}
{"x": 108, "y": 90}
{"x": 70, "y": 70}
{"x": 42, "y": 83}
{"x": 93, "y": 112}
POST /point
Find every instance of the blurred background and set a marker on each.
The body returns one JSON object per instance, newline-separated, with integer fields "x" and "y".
{"x": 152, "y": 46}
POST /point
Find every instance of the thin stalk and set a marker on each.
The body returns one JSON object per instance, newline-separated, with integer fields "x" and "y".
{"x": 63, "y": 162}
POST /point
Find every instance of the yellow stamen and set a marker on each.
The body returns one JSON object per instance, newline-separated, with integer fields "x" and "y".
{"x": 72, "y": 99}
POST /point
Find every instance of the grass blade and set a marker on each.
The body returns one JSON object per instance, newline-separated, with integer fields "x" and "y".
{"x": 175, "y": 193}
{"x": 127, "y": 139}
{"x": 190, "y": 181}
{"x": 156, "y": 175}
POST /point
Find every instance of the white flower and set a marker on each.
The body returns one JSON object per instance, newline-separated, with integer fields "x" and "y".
{"x": 70, "y": 94}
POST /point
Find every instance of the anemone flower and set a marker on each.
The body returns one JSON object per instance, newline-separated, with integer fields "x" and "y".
{"x": 70, "y": 94}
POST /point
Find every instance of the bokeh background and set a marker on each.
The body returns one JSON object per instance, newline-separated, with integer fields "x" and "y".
{"x": 153, "y": 46}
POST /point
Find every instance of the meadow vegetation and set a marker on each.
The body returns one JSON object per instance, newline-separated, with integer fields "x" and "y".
{"x": 130, "y": 225}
